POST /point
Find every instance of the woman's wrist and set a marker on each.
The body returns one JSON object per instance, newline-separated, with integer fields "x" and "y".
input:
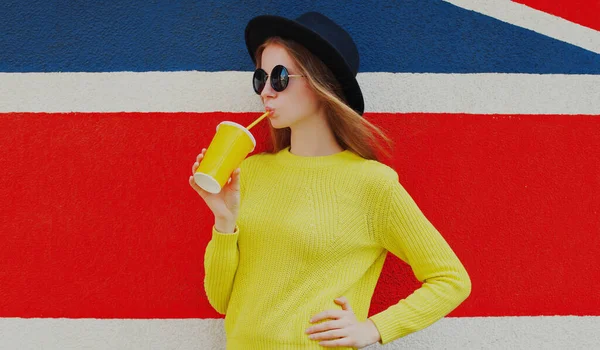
{"x": 224, "y": 225}
{"x": 374, "y": 331}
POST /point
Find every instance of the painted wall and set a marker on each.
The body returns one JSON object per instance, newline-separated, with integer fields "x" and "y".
{"x": 104, "y": 107}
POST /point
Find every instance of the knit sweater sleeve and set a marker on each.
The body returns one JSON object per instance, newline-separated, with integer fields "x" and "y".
{"x": 408, "y": 234}
{"x": 220, "y": 265}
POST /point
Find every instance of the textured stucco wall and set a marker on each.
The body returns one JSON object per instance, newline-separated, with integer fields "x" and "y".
{"x": 103, "y": 108}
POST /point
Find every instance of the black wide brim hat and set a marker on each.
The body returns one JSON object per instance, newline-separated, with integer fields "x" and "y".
{"x": 321, "y": 36}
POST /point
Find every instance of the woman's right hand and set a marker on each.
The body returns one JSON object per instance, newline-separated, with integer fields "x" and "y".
{"x": 225, "y": 204}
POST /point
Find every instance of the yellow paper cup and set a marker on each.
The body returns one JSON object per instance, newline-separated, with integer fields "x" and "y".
{"x": 229, "y": 147}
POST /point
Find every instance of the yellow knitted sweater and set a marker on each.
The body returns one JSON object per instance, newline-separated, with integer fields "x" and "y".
{"x": 312, "y": 229}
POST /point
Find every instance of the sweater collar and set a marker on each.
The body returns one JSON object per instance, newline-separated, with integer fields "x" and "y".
{"x": 287, "y": 158}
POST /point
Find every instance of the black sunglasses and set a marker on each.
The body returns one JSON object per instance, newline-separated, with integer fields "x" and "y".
{"x": 279, "y": 79}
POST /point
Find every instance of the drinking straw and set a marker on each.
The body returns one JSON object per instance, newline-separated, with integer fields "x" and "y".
{"x": 257, "y": 120}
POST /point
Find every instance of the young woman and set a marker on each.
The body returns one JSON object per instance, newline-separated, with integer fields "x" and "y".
{"x": 300, "y": 239}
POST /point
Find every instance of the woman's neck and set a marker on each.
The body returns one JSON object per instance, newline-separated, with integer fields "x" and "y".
{"x": 313, "y": 137}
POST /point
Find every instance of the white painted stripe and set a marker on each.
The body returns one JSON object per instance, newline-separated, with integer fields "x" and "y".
{"x": 485, "y": 93}
{"x": 550, "y": 332}
{"x": 193, "y": 91}
{"x": 538, "y": 21}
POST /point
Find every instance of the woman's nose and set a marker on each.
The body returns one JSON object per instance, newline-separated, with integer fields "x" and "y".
{"x": 268, "y": 91}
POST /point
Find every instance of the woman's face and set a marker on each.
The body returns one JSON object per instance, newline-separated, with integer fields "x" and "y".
{"x": 297, "y": 102}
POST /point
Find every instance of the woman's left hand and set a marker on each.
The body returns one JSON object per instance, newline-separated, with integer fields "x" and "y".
{"x": 344, "y": 330}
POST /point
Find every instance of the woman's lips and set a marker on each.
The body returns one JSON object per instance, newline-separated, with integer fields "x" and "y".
{"x": 271, "y": 111}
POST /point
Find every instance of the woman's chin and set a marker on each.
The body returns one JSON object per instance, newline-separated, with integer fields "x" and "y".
{"x": 275, "y": 123}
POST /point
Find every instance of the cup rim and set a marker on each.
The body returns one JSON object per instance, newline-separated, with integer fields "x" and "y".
{"x": 243, "y": 128}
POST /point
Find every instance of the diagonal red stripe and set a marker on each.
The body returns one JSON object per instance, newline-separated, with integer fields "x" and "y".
{"x": 584, "y": 12}
{"x": 97, "y": 218}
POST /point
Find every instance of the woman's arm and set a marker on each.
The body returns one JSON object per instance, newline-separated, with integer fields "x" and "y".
{"x": 222, "y": 253}
{"x": 408, "y": 234}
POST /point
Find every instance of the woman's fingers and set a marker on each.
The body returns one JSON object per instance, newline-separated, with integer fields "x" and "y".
{"x": 200, "y": 155}
{"x": 193, "y": 183}
{"x": 197, "y": 188}
{"x": 198, "y": 160}
{"x": 194, "y": 167}
{"x": 235, "y": 178}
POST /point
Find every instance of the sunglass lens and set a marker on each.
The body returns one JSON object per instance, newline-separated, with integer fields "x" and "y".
{"x": 279, "y": 78}
{"x": 259, "y": 80}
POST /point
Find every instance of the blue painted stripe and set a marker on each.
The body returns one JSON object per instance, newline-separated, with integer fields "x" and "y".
{"x": 401, "y": 36}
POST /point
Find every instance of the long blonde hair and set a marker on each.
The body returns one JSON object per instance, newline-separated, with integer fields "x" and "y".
{"x": 351, "y": 130}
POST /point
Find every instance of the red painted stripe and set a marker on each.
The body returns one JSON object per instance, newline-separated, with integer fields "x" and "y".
{"x": 98, "y": 220}
{"x": 584, "y": 12}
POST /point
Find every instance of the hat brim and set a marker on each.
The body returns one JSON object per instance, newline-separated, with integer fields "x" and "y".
{"x": 263, "y": 27}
